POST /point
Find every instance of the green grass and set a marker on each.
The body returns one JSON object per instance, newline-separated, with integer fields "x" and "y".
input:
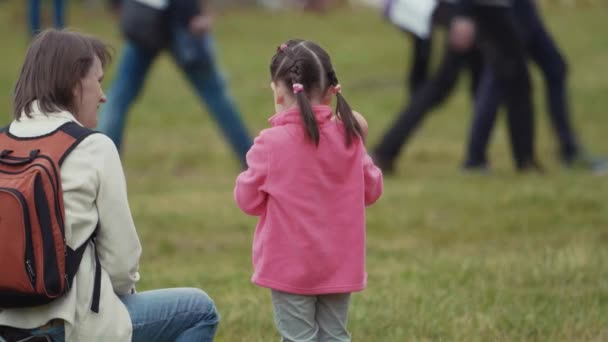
{"x": 451, "y": 257}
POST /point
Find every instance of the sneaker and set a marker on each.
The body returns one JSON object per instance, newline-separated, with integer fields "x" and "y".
{"x": 598, "y": 166}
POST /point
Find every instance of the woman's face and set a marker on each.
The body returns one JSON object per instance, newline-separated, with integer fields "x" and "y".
{"x": 89, "y": 95}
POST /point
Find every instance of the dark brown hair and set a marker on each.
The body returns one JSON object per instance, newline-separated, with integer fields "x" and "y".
{"x": 54, "y": 65}
{"x": 306, "y": 63}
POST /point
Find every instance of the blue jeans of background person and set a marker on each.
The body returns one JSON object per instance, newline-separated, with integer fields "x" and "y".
{"x": 543, "y": 51}
{"x": 58, "y": 15}
{"x": 206, "y": 79}
{"x": 181, "y": 314}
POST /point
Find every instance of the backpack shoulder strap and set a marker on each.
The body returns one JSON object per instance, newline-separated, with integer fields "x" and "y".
{"x": 73, "y": 262}
{"x": 78, "y": 134}
{"x": 56, "y": 144}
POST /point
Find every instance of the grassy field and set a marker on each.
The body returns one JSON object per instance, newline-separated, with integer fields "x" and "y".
{"x": 451, "y": 257}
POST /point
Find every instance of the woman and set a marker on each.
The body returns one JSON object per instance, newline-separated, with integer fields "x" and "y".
{"x": 60, "y": 83}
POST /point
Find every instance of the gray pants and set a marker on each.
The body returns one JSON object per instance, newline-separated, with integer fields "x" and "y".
{"x": 311, "y": 318}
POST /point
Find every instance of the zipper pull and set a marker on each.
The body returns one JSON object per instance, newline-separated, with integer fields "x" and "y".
{"x": 30, "y": 272}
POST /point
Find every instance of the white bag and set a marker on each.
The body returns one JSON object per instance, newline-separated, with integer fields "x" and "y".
{"x": 411, "y": 15}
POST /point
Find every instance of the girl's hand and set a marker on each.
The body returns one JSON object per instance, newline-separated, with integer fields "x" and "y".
{"x": 200, "y": 24}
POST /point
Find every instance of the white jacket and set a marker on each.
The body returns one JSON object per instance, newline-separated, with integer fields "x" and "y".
{"x": 94, "y": 189}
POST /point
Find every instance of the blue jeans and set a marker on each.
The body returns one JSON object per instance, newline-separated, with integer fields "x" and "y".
{"x": 58, "y": 15}
{"x": 206, "y": 79}
{"x": 180, "y": 314}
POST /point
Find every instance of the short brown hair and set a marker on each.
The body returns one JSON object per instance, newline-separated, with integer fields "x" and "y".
{"x": 54, "y": 64}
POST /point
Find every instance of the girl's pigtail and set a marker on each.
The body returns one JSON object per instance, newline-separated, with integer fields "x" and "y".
{"x": 308, "y": 116}
{"x": 345, "y": 113}
{"x": 306, "y": 112}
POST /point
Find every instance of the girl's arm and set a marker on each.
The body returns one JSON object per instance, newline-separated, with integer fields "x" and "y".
{"x": 372, "y": 174}
{"x": 249, "y": 191}
{"x": 373, "y": 180}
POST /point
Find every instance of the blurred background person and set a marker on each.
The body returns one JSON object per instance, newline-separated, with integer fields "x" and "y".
{"x": 34, "y": 7}
{"x": 426, "y": 93}
{"x": 418, "y": 25}
{"x": 490, "y": 24}
{"x": 544, "y": 52}
{"x": 183, "y": 28}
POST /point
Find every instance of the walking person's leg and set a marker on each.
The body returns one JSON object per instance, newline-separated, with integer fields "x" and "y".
{"x": 545, "y": 53}
{"x": 130, "y": 75}
{"x": 421, "y": 58}
{"x": 294, "y": 316}
{"x": 179, "y": 314}
{"x": 487, "y": 101}
{"x": 332, "y": 317}
{"x": 34, "y": 17}
{"x": 59, "y": 13}
{"x": 210, "y": 86}
{"x": 430, "y": 95}
{"x": 504, "y": 53}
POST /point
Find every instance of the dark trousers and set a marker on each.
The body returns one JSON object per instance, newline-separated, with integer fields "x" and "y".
{"x": 543, "y": 51}
{"x": 421, "y": 58}
{"x": 427, "y": 96}
{"x": 503, "y": 52}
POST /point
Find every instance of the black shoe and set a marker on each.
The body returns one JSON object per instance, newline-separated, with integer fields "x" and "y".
{"x": 531, "y": 166}
{"x": 476, "y": 168}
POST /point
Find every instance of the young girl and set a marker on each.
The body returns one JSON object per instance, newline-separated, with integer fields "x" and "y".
{"x": 309, "y": 179}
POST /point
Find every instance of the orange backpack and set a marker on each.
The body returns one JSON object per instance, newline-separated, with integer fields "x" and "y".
{"x": 36, "y": 265}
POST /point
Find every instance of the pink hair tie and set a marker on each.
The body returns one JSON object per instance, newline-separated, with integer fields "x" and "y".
{"x": 337, "y": 89}
{"x": 297, "y": 88}
{"x": 282, "y": 47}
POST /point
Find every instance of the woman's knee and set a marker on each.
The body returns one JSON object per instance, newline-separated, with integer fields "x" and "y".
{"x": 202, "y": 304}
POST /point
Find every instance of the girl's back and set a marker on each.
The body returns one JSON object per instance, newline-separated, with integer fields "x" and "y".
{"x": 309, "y": 179}
{"x": 311, "y": 201}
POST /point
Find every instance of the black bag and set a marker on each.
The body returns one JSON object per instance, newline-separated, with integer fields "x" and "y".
{"x": 145, "y": 26}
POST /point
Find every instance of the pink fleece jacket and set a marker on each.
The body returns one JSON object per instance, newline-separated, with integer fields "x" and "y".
{"x": 310, "y": 238}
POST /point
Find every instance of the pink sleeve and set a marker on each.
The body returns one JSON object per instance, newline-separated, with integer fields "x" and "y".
{"x": 248, "y": 191}
{"x": 373, "y": 180}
